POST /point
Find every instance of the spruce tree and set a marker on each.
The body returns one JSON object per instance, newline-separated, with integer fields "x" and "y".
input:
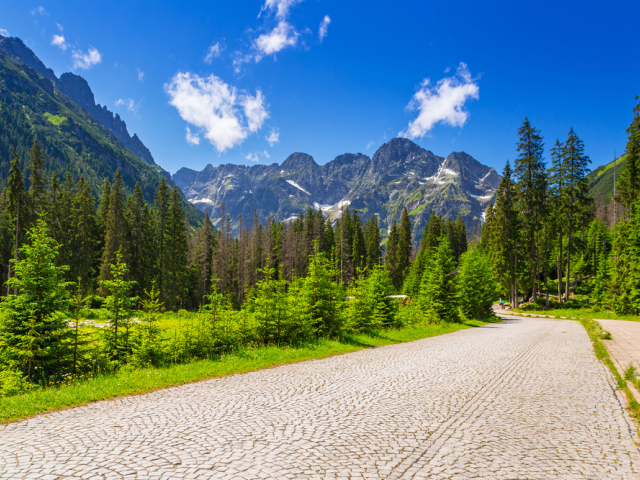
{"x": 628, "y": 186}
{"x": 161, "y": 215}
{"x": 37, "y": 184}
{"x": 176, "y": 249}
{"x": 403, "y": 251}
{"x": 33, "y": 331}
{"x": 438, "y": 297}
{"x": 372, "y": 242}
{"x": 17, "y": 210}
{"x": 391, "y": 257}
{"x": 115, "y": 229}
{"x": 531, "y": 189}
{"x": 573, "y": 192}
{"x": 506, "y": 235}
{"x": 86, "y": 239}
{"x": 138, "y": 238}
{"x": 477, "y": 289}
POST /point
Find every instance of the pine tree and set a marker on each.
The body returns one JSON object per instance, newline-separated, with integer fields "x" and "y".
{"x": 120, "y": 308}
{"x": 176, "y": 248}
{"x": 506, "y": 231}
{"x": 138, "y": 239}
{"x": 322, "y": 296}
{"x": 476, "y": 285}
{"x": 574, "y": 168}
{"x": 115, "y": 229}
{"x": 372, "y": 242}
{"x": 86, "y": 240}
{"x": 438, "y": 297}
{"x": 37, "y": 185}
{"x": 531, "y": 189}
{"x": 403, "y": 251}
{"x": 16, "y": 204}
{"x": 61, "y": 219}
{"x": 628, "y": 185}
{"x": 359, "y": 248}
{"x": 34, "y": 329}
{"x": 391, "y": 255}
{"x": 161, "y": 215}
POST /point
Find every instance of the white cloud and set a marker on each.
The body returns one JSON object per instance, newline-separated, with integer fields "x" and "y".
{"x": 442, "y": 103}
{"x": 59, "y": 27}
{"x": 131, "y": 105}
{"x": 253, "y": 157}
{"x": 266, "y": 154}
{"x": 214, "y": 52}
{"x": 39, "y": 10}
{"x": 273, "y": 137}
{"x": 86, "y": 60}
{"x": 369, "y": 145}
{"x": 281, "y": 7}
{"x": 281, "y": 37}
{"x": 4, "y": 33}
{"x": 324, "y": 25}
{"x": 215, "y": 107}
{"x": 140, "y": 74}
{"x": 254, "y": 111}
{"x": 192, "y": 138}
{"x": 58, "y": 41}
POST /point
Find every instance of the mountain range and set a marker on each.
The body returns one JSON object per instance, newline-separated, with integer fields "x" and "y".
{"x": 400, "y": 174}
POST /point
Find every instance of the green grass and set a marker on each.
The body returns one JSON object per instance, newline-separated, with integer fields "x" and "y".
{"x": 583, "y": 312}
{"x": 146, "y": 380}
{"x": 595, "y": 332}
{"x": 55, "y": 119}
{"x": 418, "y": 209}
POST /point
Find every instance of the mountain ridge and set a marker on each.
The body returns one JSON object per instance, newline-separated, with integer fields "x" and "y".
{"x": 400, "y": 174}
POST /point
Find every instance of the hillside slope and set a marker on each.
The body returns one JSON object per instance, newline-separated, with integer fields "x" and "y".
{"x": 32, "y": 106}
{"x": 601, "y": 181}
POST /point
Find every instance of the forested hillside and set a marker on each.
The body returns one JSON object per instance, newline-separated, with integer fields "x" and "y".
{"x": 74, "y": 142}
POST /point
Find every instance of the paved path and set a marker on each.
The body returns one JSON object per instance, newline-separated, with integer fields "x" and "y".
{"x": 624, "y": 345}
{"x": 525, "y": 398}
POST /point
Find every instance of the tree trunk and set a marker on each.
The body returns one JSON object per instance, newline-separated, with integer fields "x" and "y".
{"x": 559, "y": 268}
{"x": 566, "y": 289}
{"x": 515, "y": 278}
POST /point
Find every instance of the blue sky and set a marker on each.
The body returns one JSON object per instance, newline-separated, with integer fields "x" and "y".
{"x": 272, "y": 86}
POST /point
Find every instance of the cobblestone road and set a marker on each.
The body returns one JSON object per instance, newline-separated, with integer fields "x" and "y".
{"x": 525, "y": 398}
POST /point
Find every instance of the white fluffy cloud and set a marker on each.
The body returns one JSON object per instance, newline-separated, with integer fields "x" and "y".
{"x": 442, "y": 103}
{"x": 129, "y": 103}
{"x": 273, "y": 137}
{"x": 281, "y": 37}
{"x": 192, "y": 138}
{"x": 140, "y": 74}
{"x": 86, "y": 60}
{"x": 225, "y": 115}
{"x": 58, "y": 41}
{"x": 4, "y": 33}
{"x": 324, "y": 25}
{"x": 280, "y": 7}
{"x": 39, "y": 10}
{"x": 253, "y": 157}
{"x": 213, "y": 52}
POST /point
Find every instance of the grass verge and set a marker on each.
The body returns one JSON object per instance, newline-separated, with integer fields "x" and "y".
{"x": 146, "y": 380}
{"x": 596, "y": 333}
